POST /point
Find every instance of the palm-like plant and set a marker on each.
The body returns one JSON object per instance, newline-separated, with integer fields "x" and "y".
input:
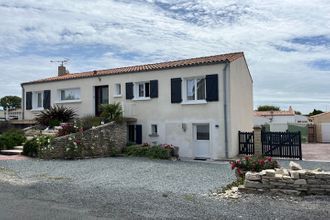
{"x": 56, "y": 113}
{"x": 112, "y": 112}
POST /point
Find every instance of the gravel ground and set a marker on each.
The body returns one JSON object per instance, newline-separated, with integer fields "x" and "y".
{"x": 132, "y": 188}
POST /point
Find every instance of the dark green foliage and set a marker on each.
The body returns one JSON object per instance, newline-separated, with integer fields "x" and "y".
{"x": 87, "y": 122}
{"x": 11, "y": 138}
{"x": 5, "y": 126}
{"x": 268, "y": 108}
{"x": 59, "y": 113}
{"x": 303, "y": 131}
{"x": 112, "y": 112}
{"x": 10, "y": 102}
{"x": 154, "y": 152}
{"x": 315, "y": 112}
{"x": 31, "y": 148}
{"x": 54, "y": 123}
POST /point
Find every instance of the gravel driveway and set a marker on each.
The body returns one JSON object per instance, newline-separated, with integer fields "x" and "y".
{"x": 133, "y": 188}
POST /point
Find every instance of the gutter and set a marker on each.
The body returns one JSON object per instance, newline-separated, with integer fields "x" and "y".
{"x": 225, "y": 104}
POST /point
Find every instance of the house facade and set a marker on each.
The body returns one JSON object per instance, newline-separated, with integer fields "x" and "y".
{"x": 322, "y": 125}
{"x": 198, "y": 104}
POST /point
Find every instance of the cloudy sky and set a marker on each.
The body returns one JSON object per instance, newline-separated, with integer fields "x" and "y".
{"x": 286, "y": 43}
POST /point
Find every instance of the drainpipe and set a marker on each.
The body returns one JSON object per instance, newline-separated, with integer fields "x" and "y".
{"x": 225, "y": 107}
{"x": 23, "y": 101}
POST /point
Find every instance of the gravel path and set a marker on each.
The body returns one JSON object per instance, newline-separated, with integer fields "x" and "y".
{"x": 133, "y": 188}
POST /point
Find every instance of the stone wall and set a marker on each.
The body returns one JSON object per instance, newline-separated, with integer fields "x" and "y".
{"x": 101, "y": 141}
{"x": 293, "y": 181}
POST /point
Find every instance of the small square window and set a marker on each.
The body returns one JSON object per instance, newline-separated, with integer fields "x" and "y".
{"x": 203, "y": 132}
{"x": 117, "y": 89}
{"x": 154, "y": 129}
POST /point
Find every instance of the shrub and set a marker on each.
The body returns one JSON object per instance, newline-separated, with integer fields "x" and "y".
{"x": 154, "y": 152}
{"x": 54, "y": 123}
{"x": 11, "y": 138}
{"x": 32, "y": 147}
{"x": 87, "y": 122}
{"x": 112, "y": 112}
{"x": 5, "y": 126}
{"x": 66, "y": 129}
{"x": 55, "y": 114}
{"x": 253, "y": 163}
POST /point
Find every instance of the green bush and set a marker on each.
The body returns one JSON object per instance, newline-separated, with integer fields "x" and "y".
{"x": 11, "y": 138}
{"x": 112, "y": 112}
{"x": 87, "y": 122}
{"x": 55, "y": 114}
{"x": 154, "y": 152}
{"x": 32, "y": 147}
{"x": 5, "y": 126}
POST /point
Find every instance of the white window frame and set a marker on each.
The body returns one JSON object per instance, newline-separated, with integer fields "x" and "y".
{"x": 35, "y": 97}
{"x": 185, "y": 91}
{"x": 137, "y": 91}
{"x": 117, "y": 90}
{"x": 60, "y": 100}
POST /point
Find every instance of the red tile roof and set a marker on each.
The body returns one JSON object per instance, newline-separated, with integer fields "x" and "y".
{"x": 147, "y": 67}
{"x": 290, "y": 112}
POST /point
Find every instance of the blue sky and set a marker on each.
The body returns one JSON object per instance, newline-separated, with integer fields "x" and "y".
{"x": 286, "y": 43}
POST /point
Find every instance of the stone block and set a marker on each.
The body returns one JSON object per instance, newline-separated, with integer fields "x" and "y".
{"x": 270, "y": 173}
{"x": 294, "y": 174}
{"x": 322, "y": 175}
{"x": 294, "y": 166}
{"x": 290, "y": 192}
{"x": 252, "y": 176}
{"x": 252, "y": 184}
{"x": 278, "y": 176}
{"x": 300, "y": 182}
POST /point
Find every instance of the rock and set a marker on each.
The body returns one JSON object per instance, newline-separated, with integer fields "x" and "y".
{"x": 252, "y": 176}
{"x": 252, "y": 184}
{"x": 300, "y": 182}
{"x": 294, "y": 166}
{"x": 270, "y": 173}
{"x": 322, "y": 175}
{"x": 290, "y": 192}
{"x": 278, "y": 176}
{"x": 294, "y": 174}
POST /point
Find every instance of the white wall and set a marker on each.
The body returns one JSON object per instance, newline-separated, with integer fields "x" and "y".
{"x": 240, "y": 103}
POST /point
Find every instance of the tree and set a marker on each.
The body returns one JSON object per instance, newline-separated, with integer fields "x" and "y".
{"x": 10, "y": 102}
{"x": 268, "y": 108}
{"x": 315, "y": 112}
{"x": 112, "y": 112}
{"x": 297, "y": 112}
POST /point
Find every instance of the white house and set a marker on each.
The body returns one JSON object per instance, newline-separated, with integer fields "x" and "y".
{"x": 198, "y": 104}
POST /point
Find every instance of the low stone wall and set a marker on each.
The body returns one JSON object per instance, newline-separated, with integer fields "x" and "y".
{"x": 293, "y": 181}
{"x": 101, "y": 141}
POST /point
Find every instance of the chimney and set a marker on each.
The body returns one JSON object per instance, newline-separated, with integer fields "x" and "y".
{"x": 61, "y": 70}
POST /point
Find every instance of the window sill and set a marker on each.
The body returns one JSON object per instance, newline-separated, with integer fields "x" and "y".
{"x": 37, "y": 109}
{"x": 68, "y": 101}
{"x": 153, "y": 135}
{"x": 117, "y": 96}
{"x": 141, "y": 99}
{"x": 195, "y": 102}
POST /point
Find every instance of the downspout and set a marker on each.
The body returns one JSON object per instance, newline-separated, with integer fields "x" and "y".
{"x": 225, "y": 111}
{"x": 23, "y": 101}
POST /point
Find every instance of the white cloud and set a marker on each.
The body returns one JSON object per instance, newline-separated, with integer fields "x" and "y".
{"x": 33, "y": 32}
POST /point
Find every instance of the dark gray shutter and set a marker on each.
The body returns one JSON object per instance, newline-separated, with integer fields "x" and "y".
{"x": 46, "y": 101}
{"x": 28, "y": 101}
{"x": 129, "y": 91}
{"x": 176, "y": 93}
{"x": 212, "y": 88}
{"x": 153, "y": 88}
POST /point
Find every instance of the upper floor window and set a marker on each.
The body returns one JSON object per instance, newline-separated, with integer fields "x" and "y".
{"x": 195, "y": 89}
{"x": 142, "y": 90}
{"x": 38, "y": 100}
{"x": 69, "y": 94}
{"x": 117, "y": 89}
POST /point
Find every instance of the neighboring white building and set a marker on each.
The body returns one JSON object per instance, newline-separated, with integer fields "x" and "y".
{"x": 198, "y": 104}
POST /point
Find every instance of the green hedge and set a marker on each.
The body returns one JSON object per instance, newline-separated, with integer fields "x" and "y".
{"x": 11, "y": 138}
{"x": 154, "y": 152}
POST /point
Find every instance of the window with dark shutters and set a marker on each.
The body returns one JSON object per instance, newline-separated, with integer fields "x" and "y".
{"x": 28, "y": 102}
{"x": 176, "y": 91}
{"x": 212, "y": 88}
{"x": 46, "y": 101}
{"x": 153, "y": 88}
{"x": 129, "y": 91}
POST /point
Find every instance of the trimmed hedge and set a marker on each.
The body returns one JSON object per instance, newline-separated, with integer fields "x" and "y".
{"x": 11, "y": 138}
{"x": 154, "y": 152}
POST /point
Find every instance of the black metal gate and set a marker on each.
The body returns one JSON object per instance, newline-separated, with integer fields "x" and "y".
{"x": 246, "y": 143}
{"x": 281, "y": 144}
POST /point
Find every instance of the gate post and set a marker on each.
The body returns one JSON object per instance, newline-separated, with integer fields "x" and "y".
{"x": 257, "y": 140}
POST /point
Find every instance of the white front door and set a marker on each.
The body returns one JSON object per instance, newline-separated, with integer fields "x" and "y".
{"x": 202, "y": 140}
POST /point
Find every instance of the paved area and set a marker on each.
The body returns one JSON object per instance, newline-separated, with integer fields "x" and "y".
{"x": 316, "y": 152}
{"x": 132, "y": 188}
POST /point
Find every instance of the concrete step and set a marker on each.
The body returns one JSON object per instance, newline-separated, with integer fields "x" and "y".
{"x": 11, "y": 152}
{"x": 18, "y": 148}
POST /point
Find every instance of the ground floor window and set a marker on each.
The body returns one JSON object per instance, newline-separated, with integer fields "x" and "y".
{"x": 203, "y": 132}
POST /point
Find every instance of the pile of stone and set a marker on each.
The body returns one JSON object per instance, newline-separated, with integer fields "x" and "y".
{"x": 292, "y": 181}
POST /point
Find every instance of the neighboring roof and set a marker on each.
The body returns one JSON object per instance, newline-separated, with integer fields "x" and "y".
{"x": 319, "y": 115}
{"x": 147, "y": 67}
{"x": 290, "y": 112}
